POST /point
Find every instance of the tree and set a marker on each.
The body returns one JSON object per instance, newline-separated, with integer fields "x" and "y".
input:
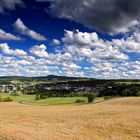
{"x": 126, "y": 92}
{"x": 91, "y": 97}
{"x": 138, "y": 93}
{"x": 37, "y": 97}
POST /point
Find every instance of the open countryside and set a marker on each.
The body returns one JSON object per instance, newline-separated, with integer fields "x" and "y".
{"x": 73, "y": 109}
{"x": 116, "y": 119}
{"x": 69, "y": 69}
{"x": 70, "y": 109}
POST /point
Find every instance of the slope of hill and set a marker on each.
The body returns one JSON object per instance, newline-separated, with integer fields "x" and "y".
{"x": 127, "y": 101}
{"x": 110, "y": 120}
{"x": 49, "y": 78}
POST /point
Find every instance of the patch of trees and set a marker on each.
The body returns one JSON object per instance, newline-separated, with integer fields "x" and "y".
{"x": 85, "y": 83}
{"x": 4, "y": 82}
{"x": 121, "y": 90}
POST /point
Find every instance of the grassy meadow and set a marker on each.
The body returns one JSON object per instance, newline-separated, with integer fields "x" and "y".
{"x": 30, "y": 99}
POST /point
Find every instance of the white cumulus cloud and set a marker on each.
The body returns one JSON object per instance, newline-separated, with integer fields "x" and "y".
{"x": 23, "y": 29}
{"x": 39, "y": 50}
{"x": 8, "y": 36}
{"x": 6, "y": 50}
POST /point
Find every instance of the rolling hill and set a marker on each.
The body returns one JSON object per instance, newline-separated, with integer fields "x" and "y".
{"x": 111, "y": 120}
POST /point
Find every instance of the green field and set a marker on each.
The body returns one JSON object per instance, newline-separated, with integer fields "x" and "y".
{"x": 128, "y": 83}
{"x": 30, "y": 99}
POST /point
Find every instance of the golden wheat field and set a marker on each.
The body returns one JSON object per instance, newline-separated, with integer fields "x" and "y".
{"x": 117, "y": 119}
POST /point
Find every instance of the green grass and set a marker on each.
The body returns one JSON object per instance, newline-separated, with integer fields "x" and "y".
{"x": 30, "y": 99}
{"x": 60, "y": 101}
{"x": 128, "y": 83}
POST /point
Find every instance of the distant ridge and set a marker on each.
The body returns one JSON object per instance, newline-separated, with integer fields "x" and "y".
{"x": 49, "y": 78}
{"x": 55, "y": 79}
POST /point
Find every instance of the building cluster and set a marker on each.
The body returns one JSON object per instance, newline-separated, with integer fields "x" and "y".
{"x": 12, "y": 88}
{"x": 82, "y": 88}
{"x": 32, "y": 88}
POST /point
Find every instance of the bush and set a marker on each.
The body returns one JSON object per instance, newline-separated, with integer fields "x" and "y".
{"x": 138, "y": 93}
{"x": 37, "y": 97}
{"x": 91, "y": 97}
{"x": 107, "y": 97}
{"x": 79, "y": 101}
{"x": 6, "y": 99}
{"x": 14, "y": 94}
{"x": 127, "y": 92}
{"x": 42, "y": 96}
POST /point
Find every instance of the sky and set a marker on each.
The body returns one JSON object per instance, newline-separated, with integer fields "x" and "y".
{"x": 79, "y": 38}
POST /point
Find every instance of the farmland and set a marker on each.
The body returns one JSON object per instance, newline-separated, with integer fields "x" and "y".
{"x": 116, "y": 119}
{"x": 129, "y": 83}
{"x": 30, "y": 99}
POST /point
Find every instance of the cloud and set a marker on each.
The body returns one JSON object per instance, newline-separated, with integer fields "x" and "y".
{"x": 91, "y": 46}
{"x": 24, "y": 62}
{"x": 111, "y": 53}
{"x": 10, "y": 5}
{"x": 80, "y": 38}
{"x": 124, "y": 70}
{"x": 39, "y": 51}
{"x": 23, "y": 29}
{"x": 110, "y": 16}
{"x": 74, "y": 73}
{"x": 102, "y": 67}
{"x": 129, "y": 44}
{"x": 55, "y": 42}
{"x": 8, "y": 36}
{"x": 82, "y": 54}
{"x": 70, "y": 66}
{"x": 6, "y": 50}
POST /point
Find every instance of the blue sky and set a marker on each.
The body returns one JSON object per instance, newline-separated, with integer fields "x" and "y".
{"x": 71, "y": 38}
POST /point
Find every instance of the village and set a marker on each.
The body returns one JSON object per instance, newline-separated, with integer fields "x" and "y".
{"x": 12, "y": 88}
{"x": 31, "y": 88}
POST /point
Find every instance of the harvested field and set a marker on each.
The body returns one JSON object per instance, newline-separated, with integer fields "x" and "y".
{"x": 117, "y": 119}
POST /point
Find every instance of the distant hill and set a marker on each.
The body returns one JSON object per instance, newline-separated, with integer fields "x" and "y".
{"x": 56, "y": 79}
{"x": 43, "y": 79}
{"x": 49, "y": 77}
{"x": 65, "y": 78}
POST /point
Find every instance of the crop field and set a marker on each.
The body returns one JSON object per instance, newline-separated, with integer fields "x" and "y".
{"x": 116, "y": 119}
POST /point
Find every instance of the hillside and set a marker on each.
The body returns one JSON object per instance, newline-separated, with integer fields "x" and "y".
{"x": 111, "y": 120}
{"x": 49, "y": 78}
{"x": 54, "y": 79}
{"x": 132, "y": 101}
